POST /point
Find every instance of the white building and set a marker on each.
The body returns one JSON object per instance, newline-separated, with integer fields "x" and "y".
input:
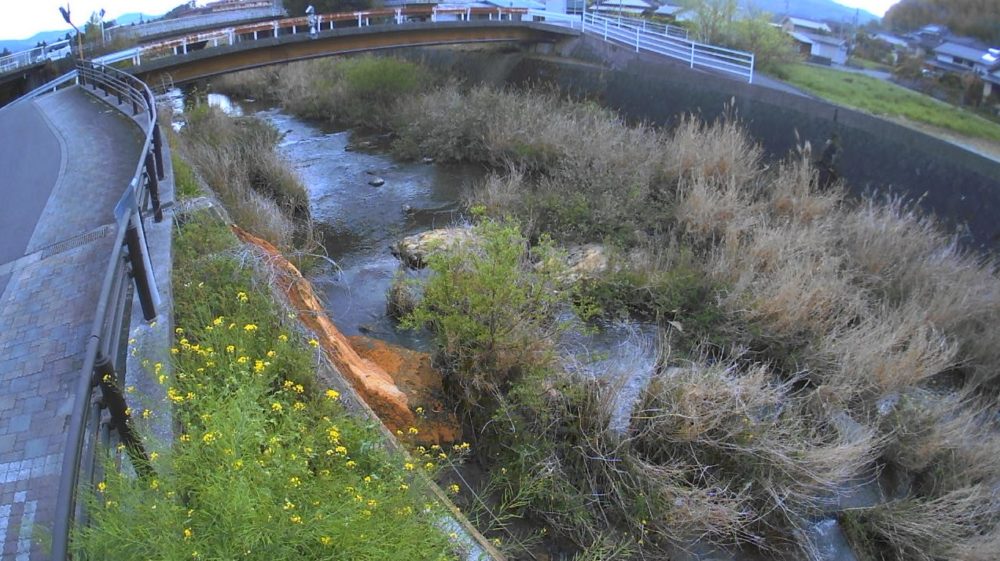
{"x": 821, "y": 47}
{"x": 801, "y": 25}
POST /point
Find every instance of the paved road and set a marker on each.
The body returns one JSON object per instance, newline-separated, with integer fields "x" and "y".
{"x": 30, "y": 155}
{"x": 64, "y": 161}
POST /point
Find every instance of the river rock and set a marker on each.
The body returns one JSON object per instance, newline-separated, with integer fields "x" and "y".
{"x": 414, "y": 373}
{"x": 376, "y": 182}
{"x": 586, "y": 261}
{"x": 413, "y": 250}
{"x": 403, "y": 297}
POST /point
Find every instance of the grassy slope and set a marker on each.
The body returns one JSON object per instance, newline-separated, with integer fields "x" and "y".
{"x": 882, "y": 98}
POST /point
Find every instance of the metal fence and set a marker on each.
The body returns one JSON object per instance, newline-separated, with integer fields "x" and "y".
{"x": 626, "y": 31}
{"x": 14, "y": 61}
{"x": 99, "y": 388}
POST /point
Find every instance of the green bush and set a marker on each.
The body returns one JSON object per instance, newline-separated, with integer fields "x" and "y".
{"x": 491, "y": 305}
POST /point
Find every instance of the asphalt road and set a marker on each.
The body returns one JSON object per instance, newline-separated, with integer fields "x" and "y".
{"x": 30, "y": 159}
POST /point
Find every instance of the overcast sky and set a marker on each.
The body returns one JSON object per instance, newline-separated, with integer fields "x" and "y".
{"x": 23, "y": 18}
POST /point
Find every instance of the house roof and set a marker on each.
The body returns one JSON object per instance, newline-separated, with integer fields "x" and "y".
{"x": 633, "y": 4}
{"x": 807, "y": 24}
{"x": 975, "y": 53}
{"x": 811, "y": 38}
{"x": 669, "y": 10}
{"x": 891, "y": 39}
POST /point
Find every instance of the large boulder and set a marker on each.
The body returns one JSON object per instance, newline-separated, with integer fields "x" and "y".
{"x": 414, "y": 250}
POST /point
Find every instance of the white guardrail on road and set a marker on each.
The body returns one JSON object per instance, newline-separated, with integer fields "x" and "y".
{"x": 695, "y": 54}
{"x": 24, "y": 58}
{"x": 666, "y": 40}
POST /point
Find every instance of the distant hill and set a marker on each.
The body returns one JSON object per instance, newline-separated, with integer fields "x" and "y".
{"x": 15, "y": 45}
{"x": 975, "y": 18}
{"x": 812, "y": 9}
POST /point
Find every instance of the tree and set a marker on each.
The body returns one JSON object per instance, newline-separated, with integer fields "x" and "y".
{"x": 713, "y": 18}
{"x": 772, "y": 47}
{"x": 975, "y": 18}
{"x": 6, "y": 52}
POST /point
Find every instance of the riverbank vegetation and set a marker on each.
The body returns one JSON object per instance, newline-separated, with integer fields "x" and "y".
{"x": 811, "y": 343}
{"x": 266, "y": 464}
{"x": 238, "y": 160}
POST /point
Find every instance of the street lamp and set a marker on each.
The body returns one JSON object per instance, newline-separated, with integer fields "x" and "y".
{"x": 79, "y": 39}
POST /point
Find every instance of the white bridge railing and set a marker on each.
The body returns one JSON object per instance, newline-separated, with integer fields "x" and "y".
{"x": 23, "y": 58}
{"x": 644, "y": 36}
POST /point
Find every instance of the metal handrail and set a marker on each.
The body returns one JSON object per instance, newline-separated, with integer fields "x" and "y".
{"x": 625, "y": 30}
{"x": 100, "y": 365}
{"x": 22, "y": 58}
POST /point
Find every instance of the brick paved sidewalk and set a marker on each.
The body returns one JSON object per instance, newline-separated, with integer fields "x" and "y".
{"x": 48, "y": 303}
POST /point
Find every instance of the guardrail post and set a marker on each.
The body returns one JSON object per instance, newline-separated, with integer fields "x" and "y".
{"x": 637, "y": 39}
{"x": 605, "y": 30}
{"x": 153, "y": 185}
{"x": 107, "y": 379}
{"x": 692, "y": 55}
{"x": 752, "y": 56}
{"x": 139, "y": 273}
{"x": 158, "y": 151}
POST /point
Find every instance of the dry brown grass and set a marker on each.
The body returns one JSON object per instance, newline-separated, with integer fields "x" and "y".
{"x": 238, "y": 161}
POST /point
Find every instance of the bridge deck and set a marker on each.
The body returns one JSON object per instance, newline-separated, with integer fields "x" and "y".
{"x": 66, "y": 158}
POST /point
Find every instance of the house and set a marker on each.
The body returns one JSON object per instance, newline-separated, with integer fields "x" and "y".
{"x": 964, "y": 55}
{"x": 631, "y": 7}
{"x": 824, "y": 49}
{"x": 800, "y": 25}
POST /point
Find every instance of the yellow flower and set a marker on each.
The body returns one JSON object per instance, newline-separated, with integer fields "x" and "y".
{"x": 454, "y": 488}
{"x": 153, "y": 456}
{"x": 299, "y": 406}
{"x": 242, "y": 296}
{"x": 146, "y": 413}
{"x": 249, "y": 328}
{"x": 238, "y": 464}
{"x": 243, "y": 360}
{"x": 289, "y": 505}
{"x": 314, "y": 342}
{"x": 179, "y": 330}
{"x": 276, "y": 407}
{"x": 102, "y": 486}
{"x": 299, "y": 388}
{"x": 408, "y": 466}
{"x": 429, "y": 465}
{"x": 230, "y": 348}
{"x": 412, "y": 430}
{"x": 403, "y": 486}
{"x": 351, "y": 464}
{"x": 188, "y": 533}
{"x": 162, "y": 378}
{"x": 419, "y": 410}
{"x": 258, "y": 366}
{"x": 271, "y": 354}
{"x": 326, "y": 540}
{"x": 341, "y": 450}
{"x": 185, "y": 437}
{"x": 294, "y": 481}
{"x": 296, "y": 519}
{"x": 282, "y": 337}
{"x": 332, "y": 394}
{"x": 217, "y": 321}
{"x": 208, "y": 438}
{"x": 154, "y": 484}
{"x": 453, "y": 536}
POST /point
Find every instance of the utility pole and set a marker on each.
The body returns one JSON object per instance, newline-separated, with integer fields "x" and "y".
{"x": 79, "y": 38}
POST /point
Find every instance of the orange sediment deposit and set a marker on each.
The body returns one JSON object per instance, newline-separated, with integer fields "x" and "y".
{"x": 414, "y": 373}
{"x": 372, "y": 382}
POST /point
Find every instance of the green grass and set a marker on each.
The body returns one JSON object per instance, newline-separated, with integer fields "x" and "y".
{"x": 185, "y": 184}
{"x": 869, "y": 64}
{"x": 882, "y": 98}
{"x": 266, "y": 465}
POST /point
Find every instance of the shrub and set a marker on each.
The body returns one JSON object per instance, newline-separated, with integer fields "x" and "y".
{"x": 491, "y": 306}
